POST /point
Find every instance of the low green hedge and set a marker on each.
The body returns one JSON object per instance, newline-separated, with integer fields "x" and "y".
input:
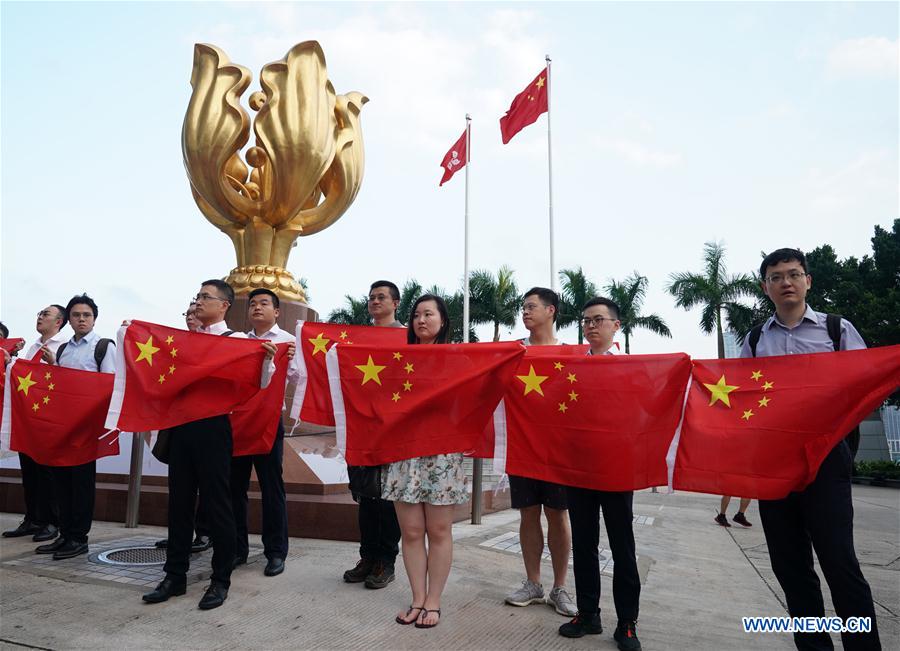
{"x": 877, "y": 469}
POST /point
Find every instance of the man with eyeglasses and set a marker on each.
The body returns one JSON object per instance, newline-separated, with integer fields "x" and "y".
{"x": 74, "y": 486}
{"x": 539, "y": 309}
{"x": 819, "y": 517}
{"x": 600, "y": 322}
{"x": 200, "y": 457}
{"x": 41, "y": 520}
{"x": 379, "y": 530}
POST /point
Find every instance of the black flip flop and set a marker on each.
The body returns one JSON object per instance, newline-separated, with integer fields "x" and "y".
{"x": 438, "y": 611}
{"x": 404, "y": 622}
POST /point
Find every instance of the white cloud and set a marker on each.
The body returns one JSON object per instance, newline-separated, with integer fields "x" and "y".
{"x": 870, "y": 56}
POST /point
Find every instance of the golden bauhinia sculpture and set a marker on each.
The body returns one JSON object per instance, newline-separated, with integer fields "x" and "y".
{"x": 300, "y": 177}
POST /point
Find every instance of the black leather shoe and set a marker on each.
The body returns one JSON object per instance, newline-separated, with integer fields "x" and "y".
{"x": 359, "y": 573}
{"x": 25, "y": 528}
{"x": 168, "y": 587}
{"x": 200, "y": 544}
{"x": 48, "y": 532}
{"x": 215, "y": 596}
{"x": 582, "y": 625}
{"x": 274, "y": 567}
{"x": 70, "y": 549}
{"x": 51, "y": 548}
{"x": 238, "y": 560}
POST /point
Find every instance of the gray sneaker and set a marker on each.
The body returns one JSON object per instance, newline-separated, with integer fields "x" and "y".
{"x": 529, "y": 593}
{"x": 560, "y": 599}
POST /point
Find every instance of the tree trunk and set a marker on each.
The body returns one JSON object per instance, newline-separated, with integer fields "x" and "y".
{"x": 627, "y": 346}
{"x": 496, "y": 331}
{"x": 719, "y": 335}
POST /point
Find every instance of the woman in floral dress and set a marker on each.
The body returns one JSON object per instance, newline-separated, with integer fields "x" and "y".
{"x": 424, "y": 491}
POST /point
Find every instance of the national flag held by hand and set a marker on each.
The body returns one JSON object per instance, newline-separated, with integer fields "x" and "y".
{"x": 761, "y": 427}
{"x": 55, "y": 415}
{"x": 254, "y": 424}
{"x": 9, "y": 345}
{"x": 525, "y": 108}
{"x": 455, "y": 159}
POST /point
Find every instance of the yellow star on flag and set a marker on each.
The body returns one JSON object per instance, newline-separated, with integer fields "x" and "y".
{"x": 47, "y": 376}
{"x": 162, "y": 378}
{"x": 756, "y": 375}
{"x": 343, "y": 334}
{"x": 147, "y": 350}
{"x": 532, "y": 381}
{"x": 573, "y": 397}
{"x": 319, "y": 343}
{"x": 563, "y": 407}
{"x": 407, "y": 385}
{"x": 35, "y": 406}
{"x": 174, "y": 352}
{"x": 408, "y": 368}
{"x": 370, "y": 371}
{"x": 25, "y": 383}
{"x": 398, "y": 356}
{"x": 395, "y": 397}
{"x": 46, "y": 400}
{"x": 170, "y": 339}
{"x": 571, "y": 378}
{"x": 764, "y": 402}
{"x": 748, "y": 414}
{"x": 51, "y": 386}
{"x": 719, "y": 391}
{"x": 171, "y": 369}
{"x": 768, "y": 385}
{"x": 558, "y": 366}
{"x": 540, "y": 82}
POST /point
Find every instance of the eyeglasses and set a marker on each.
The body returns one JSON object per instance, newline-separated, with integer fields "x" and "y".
{"x": 595, "y": 322}
{"x": 379, "y": 297}
{"x": 81, "y": 315}
{"x": 794, "y": 276}
{"x": 44, "y": 313}
{"x": 208, "y": 297}
{"x": 531, "y": 307}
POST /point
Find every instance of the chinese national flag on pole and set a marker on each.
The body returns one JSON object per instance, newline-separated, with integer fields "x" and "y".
{"x": 312, "y": 400}
{"x": 416, "y": 400}
{"x": 167, "y": 377}
{"x": 55, "y": 415}
{"x": 525, "y": 108}
{"x": 455, "y": 159}
{"x": 761, "y": 427}
{"x": 254, "y": 424}
{"x": 601, "y": 422}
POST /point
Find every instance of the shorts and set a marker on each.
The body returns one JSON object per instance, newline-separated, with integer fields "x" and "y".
{"x": 525, "y": 492}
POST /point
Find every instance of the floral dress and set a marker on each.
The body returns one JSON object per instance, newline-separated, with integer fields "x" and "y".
{"x": 438, "y": 479}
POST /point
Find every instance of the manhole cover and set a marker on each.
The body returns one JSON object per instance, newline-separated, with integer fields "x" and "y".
{"x": 133, "y": 556}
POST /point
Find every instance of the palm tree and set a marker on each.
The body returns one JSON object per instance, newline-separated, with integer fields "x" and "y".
{"x": 494, "y": 299}
{"x": 716, "y": 292}
{"x": 356, "y": 312}
{"x": 629, "y": 296}
{"x": 576, "y": 291}
{"x": 412, "y": 289}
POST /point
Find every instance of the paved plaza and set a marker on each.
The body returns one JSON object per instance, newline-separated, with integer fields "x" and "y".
{"x": 698, "y": 581}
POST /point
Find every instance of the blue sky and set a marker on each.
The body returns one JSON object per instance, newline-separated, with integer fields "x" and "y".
{"x": 758, "y": 124}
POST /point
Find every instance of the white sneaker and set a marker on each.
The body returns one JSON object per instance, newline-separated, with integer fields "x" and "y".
{"x": 529, "y": 593}
{"x": 562, "y": 602}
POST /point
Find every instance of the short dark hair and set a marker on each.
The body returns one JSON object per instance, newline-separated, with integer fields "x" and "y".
{"x": 443, "y": 334}
{"x": 548, "y": 297}
{"x": 395, "y": 293}
{"x": 262, "y": 291}
{"x": 223, "y": 288}
{"x": 63, "y": 313}
{"x": 601, "y": 300}
{"x": 4, "y": 331}
{"x": 82, "y": 299}
{"x": 782, "y": 255}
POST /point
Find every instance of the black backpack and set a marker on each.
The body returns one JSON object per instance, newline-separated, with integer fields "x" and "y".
{"x": 99, "y": 351}
{"x": 833, "y": 325}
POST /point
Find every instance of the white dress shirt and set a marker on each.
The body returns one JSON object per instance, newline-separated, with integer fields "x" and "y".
{"x": 278, "y": 336}
{"x": 53, "y": 343}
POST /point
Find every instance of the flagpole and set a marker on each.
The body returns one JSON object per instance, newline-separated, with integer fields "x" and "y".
{"x": 476, "y": 463}
{"x": 553, "y": 279}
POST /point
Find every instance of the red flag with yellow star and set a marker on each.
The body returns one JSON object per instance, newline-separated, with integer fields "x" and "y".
{"x": 55, "y": 415}
{"x": 761, "y": 427}
{"x": 393, "y": 403}
{"x": 312, "y": 400}
{"x": 600, "y": 422}
{"x": 167, "y": 377}
{"x": 525, "y": 108}
{"x": 254, "y": 424}
{"x": 9, "y": 345}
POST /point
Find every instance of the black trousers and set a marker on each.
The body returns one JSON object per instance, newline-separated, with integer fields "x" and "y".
{"x": 584, "y": 514}
{"x": 37, "y": 485}
{"x": 274, "y": 507}
{"x": 379, "y": 530}
{"x": 200, "y": 458}
{"x": 821, "y": 518}
{"x": 74, "y": 488}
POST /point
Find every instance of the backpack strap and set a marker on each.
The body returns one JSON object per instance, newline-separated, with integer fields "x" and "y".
{"x": 754, "y": 337}
{"x": 100, "y": 351}
{"x": 59, "y": 351}
{"x": 833, "y": 324}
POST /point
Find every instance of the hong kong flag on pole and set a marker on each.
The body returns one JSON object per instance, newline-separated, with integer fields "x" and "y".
{"x": 167, "y": 377}
{"x": 455, "y": 159}
{"x": 416, "y": 400}
{"x": 312, "y": 400}
{"x": 761, "y": 427}
{"x": 600, "y": 422}
{"x": 525, "y": 108}
{"x": 55, "y": 415}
